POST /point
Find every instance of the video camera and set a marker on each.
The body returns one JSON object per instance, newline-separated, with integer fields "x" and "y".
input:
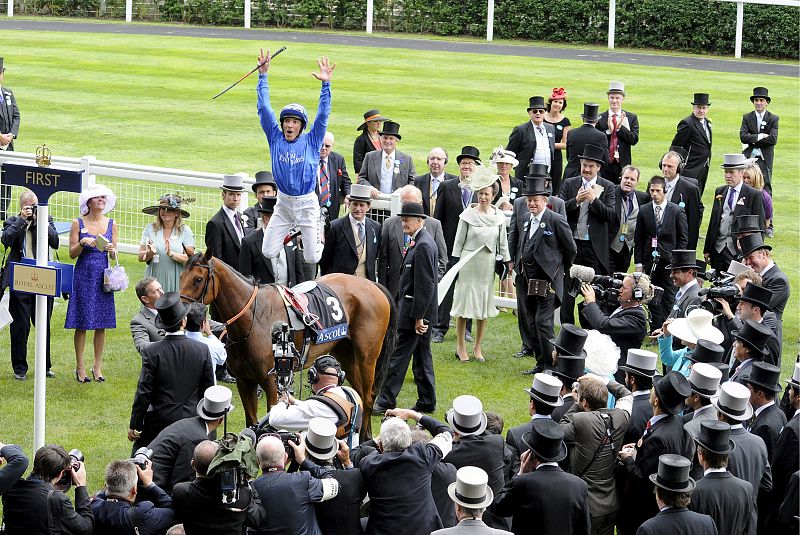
{"x": 236, "y": 464}
{"x": 285, "y": 437}
{"x": 286, "y": 357}
{"x": 606, "y": 288}
{"x": 75, "y": 458}
{"x": 722, "y": 287}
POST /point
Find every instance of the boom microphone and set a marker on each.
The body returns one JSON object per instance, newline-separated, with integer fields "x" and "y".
{"x": 582, "y": 273}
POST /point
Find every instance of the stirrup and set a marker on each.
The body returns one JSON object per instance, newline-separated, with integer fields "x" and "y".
{"x": 310, "y": 319}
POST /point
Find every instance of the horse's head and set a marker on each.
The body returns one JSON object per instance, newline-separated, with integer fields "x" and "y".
{"x": 197, "y": 280}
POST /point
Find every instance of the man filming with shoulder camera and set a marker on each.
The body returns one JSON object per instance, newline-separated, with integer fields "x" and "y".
{"x": 39, "y": 506}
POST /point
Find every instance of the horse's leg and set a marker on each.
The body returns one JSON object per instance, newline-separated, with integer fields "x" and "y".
{"x": 364, "y": 376}
{"x": 247, "y": 392}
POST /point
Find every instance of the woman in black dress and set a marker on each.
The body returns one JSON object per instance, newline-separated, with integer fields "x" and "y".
{"x": 369, "y": 140}
{"x": 556, "y": 104}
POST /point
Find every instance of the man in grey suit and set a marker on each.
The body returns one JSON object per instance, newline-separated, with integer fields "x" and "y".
{"x": 472, "y": 496}
{"x": 683, "y": 274}
{"x": 387, "y": 169}
{"x": 143, "y": 326}
{"x": 757, "y": 257}
{"x": 534, "y": 140}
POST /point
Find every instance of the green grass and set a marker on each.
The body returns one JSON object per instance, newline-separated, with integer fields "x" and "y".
{"x": 146, "y": 100}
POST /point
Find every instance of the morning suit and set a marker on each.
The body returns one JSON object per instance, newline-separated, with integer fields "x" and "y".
{"x": 578, "y": 138}
{"x": 749, "y": 461}
{"x": 515, "y": 443}
{"x": 417, "y": 298}
{"x": 390, "y": 256}
{"x": 522, "y": 142}
{"x": 627, "y": 136}
{"x": 749, "y": 202}
{"x": 9, "y": 124}
{"x": 469, "y": 526}
{"x": 727, "y": 500}
{"x": 776, "y": 280}
{"x": 678, "y": 521}
{"x": 16, "y": 464}
{"x": 340, "y": 254}
{"x": 222, "y": 240}
{"x": 341, "y": 515}
{"x": 768, "y": 425}
{"x": 26, "y": 505}
{"x": 689, "y": 298}
{"x": 403, "y": 172}
{"x": 785, "y": 460}
{"x": 252, "y": 261}
{"x": 685, "y": 193}
{"x": 442, "y": 476}
{"x": 199, "y": 507}
{"x": 622, "y": 244}
{"x": 423, "y": 183}
{"x": 175, "y": 373}
{"x": 697, "y": 417}
{"x": 748, "y": 135}
{"x": 338, "y": 185}
{"x": 693, "y": 138}
{"x": 642, "y": 411}
{"x": 547, "y": 500}
{"x": 144, "y": 330}
{"x": 173, "y": 449}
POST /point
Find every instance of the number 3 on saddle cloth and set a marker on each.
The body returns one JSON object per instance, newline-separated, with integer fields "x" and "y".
{"x": 314, "y": 307}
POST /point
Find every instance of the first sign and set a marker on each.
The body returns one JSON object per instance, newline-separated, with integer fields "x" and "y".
{"x": 43, "y": 181}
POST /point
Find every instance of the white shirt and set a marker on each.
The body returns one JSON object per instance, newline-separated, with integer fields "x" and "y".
{"x": 215, "y": 348}
{"x": 762, "y": 407}
{"x": 546, "y": 464}
{"x": 542, "y": 154}
{"x": 712, "y": 470}
{"x": 767, "y": 268}
{"x": 534, "y": 223}
{"x": 295, "y": 417}
{"x": 232, "y": 217}
{"x": 354, "y": 225}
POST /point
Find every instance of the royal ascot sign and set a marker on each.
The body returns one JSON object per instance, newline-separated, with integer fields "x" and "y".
{"x": 38, "y": 280}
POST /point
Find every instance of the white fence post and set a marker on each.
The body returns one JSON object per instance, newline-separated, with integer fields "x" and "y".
{"x": 739, "y": 24}
{"x": 612, "y": 22}
{"x": 489, "y": 21}
{"x": 128, "y": 10}
{"x": 369, "y": 15}
{"x": 88, "y": 179}
{"x": 247, "y": 7}
{"x": 10, "y": 8}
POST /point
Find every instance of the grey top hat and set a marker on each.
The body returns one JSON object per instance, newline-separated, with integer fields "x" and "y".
{"x": 216, "y": 402}
{"x": 765, "y": 376}
{"x": 171, "y": 310}
{"x": 724, "y": 369}
{"x": 715, "y": 437}
{"x": 471, "y": 488}
{"x": 704, "y": 379}
{"x": 640, "y": 362}
{"x": 361, "y": 192}
{"x": 673, "y": 473}
{"x": 320, "y": 438}
{"x": 232, "y": 183}
{"x": 734, "y": 161}
{"x": 794, "y": 380}
{"x": 616, "y": 87}
{"x": 733, "y": 401}
{"x": 467, "y": 416}
{"x": 546, "y": 389}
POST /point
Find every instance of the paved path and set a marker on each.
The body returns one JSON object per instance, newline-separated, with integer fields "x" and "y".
{"x": 629, "y": 58}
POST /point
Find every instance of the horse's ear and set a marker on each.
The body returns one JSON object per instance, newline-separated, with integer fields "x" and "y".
{"x": 207, "y": 256}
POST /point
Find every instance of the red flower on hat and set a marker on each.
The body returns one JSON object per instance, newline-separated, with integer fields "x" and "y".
{"x": 558, "y": 93}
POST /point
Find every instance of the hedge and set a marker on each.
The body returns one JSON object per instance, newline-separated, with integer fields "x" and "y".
{"x": 677, "y": 25}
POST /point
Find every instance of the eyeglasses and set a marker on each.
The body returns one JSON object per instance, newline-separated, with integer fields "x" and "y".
{"x": 327, "y": 146}
{"x": 537, "y": 112}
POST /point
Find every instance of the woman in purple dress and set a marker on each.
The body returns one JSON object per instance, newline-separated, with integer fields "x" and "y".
{"x": 90, "y": 308}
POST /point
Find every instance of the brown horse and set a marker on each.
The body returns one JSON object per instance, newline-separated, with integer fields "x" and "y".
{"x": 249, "y": 310}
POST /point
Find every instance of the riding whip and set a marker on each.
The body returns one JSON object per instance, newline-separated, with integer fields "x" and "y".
{"x": 281, "y": 49}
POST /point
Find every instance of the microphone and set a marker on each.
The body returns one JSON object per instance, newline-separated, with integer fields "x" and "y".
{"x": 582, "y": 273}
{"x": 277, "y": 329}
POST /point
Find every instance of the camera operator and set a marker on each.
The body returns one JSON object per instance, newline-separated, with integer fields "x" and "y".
{"x": 36, "y": 506}
{"x": 16, "y": 464}
{"x": 116, "y": 510}
{"x": 19, "y": 233}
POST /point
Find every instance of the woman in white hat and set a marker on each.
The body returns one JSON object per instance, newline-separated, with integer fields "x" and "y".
{"x": 508, "y": 191}
{"x": 167, "y": 243}
{"x": 691, "y": 330}
{"x": 93, "y": 241}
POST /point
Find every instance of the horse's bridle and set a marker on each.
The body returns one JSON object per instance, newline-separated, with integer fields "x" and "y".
{"x": 209, "y": 280}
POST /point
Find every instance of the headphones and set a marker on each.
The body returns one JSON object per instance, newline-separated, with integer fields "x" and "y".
{"x": 320, "y": 365}
{"x": 638, "y": 291}
{"x": 681, "y": 161}
{"x": 446, "y": 156}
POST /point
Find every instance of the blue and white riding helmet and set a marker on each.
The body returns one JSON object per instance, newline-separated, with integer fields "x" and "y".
{"x": 294, "y": 110}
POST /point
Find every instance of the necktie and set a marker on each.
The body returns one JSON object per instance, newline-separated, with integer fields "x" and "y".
{"x": 705, "y": 129}
{"x": 629, "y": 204}
{"x": 360, "y": 233}
{"x": 466, "y": 196}
{"x": 540, "y": 130}
{"x": 731, "y": 195}
{"x": 238, "y": 217}
{"x": 534, "y": 224}
{"x": 678, "y": 295}
{"x": 387, "y": 164}
{"x": 612, "y": 149}
{"x": 324, "y": 185}
{"x": 658, "y": 215}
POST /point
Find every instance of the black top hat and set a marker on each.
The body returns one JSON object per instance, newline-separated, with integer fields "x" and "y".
{"x": 569, "y": 369}
{"x": 706, "y": 351}
{"x": 570, "y": 341}
{"x": 469, "y": 152}
{"x": 546, "y": 440}
{"x": 538, "y": 170}
{"x": 171, "y": 310}
{"x": 683, "y": 259}
{"x": 263, "y": 177}
{"x": 673, "y": 473}
{"x": 715, "y": 436}
{"x": 701, "y": 267}
{"x": 747, "y": 224}
{"x": 372, "y": 115}
{"x": 701, "y": 99}
{"x": 412, "y": 209}
{"x": 391, "y": 128}
{"x": 594, "y": 153}
{"x": 267, "y": 205}
{"x": 760, "y": 92}
{"x": 724, "y": 368}
{"x": 672, "y": 391}
{"x": 751, "y": 243}
{"x": 591, "y": 112}
{"x": 755, "y": 335}
{"x": 756, "y": 295}
{"x": 764, "y": 375}
{"x": 683, "y": 153}
{"x": 536, "y": 103}
{"x": 536, "y": 186}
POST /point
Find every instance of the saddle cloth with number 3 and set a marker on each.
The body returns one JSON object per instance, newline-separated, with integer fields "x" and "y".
{"x": 318, "y": 309}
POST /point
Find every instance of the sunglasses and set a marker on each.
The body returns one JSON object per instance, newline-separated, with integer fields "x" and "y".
{"x": 327, "y": 146}
{"x": 537, "y": 112}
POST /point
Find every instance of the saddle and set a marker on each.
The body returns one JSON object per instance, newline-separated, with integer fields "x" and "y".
{"x": 296, "y": 301}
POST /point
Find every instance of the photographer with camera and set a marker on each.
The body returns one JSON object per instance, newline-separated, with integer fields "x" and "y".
{"x": 16, "y": 463}
{"x": 19, "y": 233}
{"x": 116, "y": 509}
{"x": 39, "y": 506}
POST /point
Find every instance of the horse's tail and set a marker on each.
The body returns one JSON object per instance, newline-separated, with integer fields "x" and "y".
{"x": 382, "y": 365}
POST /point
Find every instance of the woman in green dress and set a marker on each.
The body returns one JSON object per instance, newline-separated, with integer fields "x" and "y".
{"x": 167, "y": 243}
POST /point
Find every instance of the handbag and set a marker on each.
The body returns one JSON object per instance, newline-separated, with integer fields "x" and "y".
{"x": 114, "y": 277}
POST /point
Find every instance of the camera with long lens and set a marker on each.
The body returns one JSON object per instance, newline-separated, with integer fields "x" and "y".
{"x": 284, "y": 355}
{"x": 75, "y": 458}
{"x": 607, "y": 288}
{"x": 142, "y": 457}
{"x": 722, "y": 287}
{"x": 285, "y": 437}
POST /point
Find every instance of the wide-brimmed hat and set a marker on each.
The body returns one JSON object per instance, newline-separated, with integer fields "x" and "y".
{"x": 536, "y": 103}
{"x": 734, "y": 161}
{"x": 96, "y": 191}
{"x": 616, "y": 87}
{"x": 546, "y": 440}
{"x": 751, "y": 243}
{"x": 673, "y": 473}
{"x": 232, "y": 183}
{"x": 320, "y": 438}
{"x": 170, "y": 202}
{"x": 471, "y": 488}
{"x": 701, "y": 99}
{"x": 747, "y": 224}
{"x": 570, "y": 368}
{"x": 469, "y": 152}
{"x": 361, "y": 192}
{"x": 706, "y": 351}
{"x": 372, "y": 115}
{"x": 704, "y": 379}
{"x": 501, "y": 155}
{"x": 570, "y": 341}
{"x": 733, "y": 401}
{"x": 755, "y": 335}
{"x": 171, "y": 310}
{"x": 760, "y": 92}
{"x": 756, "y": 295}
{"x": 683, "y": 259}
{"x": 467, "y": 416}
{"x": 546, "y": 389}
{"x": 216, "y": 402}
{"x": 391, "y": 128}
{"x": 794, "y": 380}
{"x": 672, "y": 391}
{"x": 715, "y": 436}
{"x": 482, "y": 177}
{"x": 594, "y": 153}
{"x": 267, "y": 205}
{"x": 640, "y": 362}
{"x": 591, "y": 112}
{"x": 536, "y": 186}
{"x": 764, "y": 375}
{"x": 412, "y": 209}
{"x": 263, "y": 178}
{"x": 696, "y": 326}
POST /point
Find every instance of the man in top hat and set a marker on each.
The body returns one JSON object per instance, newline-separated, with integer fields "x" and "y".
{"x": 753, "y": 304}
{"x": 759, "y": 134}
{"x": 9, "y": 130}
{"x": 639, "y": 369}
{"x": 353, "y": 240}
{"x": 472, "y": 497}
{"x": 568, "y": 368}
{"x": 369, "y": 140}
{"x": 416, "y": 311}
{"x": 387, "y": 169}
{"x": 683, "y": 274}
{"x": 749, "y": 347}
{"x": 593, "y": 434}
{"x": 673, "y": 493}
{"x": 584, "y": 135}
{"x": 683, "y": 191}
{"x": 333, "y": 184}
{"x": 542, "y": 249}
{"x": 786, "y": 459}
{"x": 719, "y": 494}
{"x": 627, "y": 200}
{"x": 285, "y": 269}
{"x": 429, "y": 183}
{"x": 175, "y": 373}
{"x": 704, "y": 380}
{"x": 542, "y": 498}
{"x": 226, "y": 229}
{"x": 732, "y": 200}
{"x": 174, "y": 445}
{"x": 757, "y": 257}
{"x": 695, "y": 137}
{"x": 768, "y": 418}
{"x": 534, "y": 140}
{"x": 264, "y": 186}
{"x": 621, "y": 128}
{"x": 664, "y": 434}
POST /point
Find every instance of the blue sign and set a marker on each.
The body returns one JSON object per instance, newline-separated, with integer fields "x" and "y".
{"x": 43, "y": 181}
{"x": 332, "y": 333}
{"x": 67, "y": 270}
